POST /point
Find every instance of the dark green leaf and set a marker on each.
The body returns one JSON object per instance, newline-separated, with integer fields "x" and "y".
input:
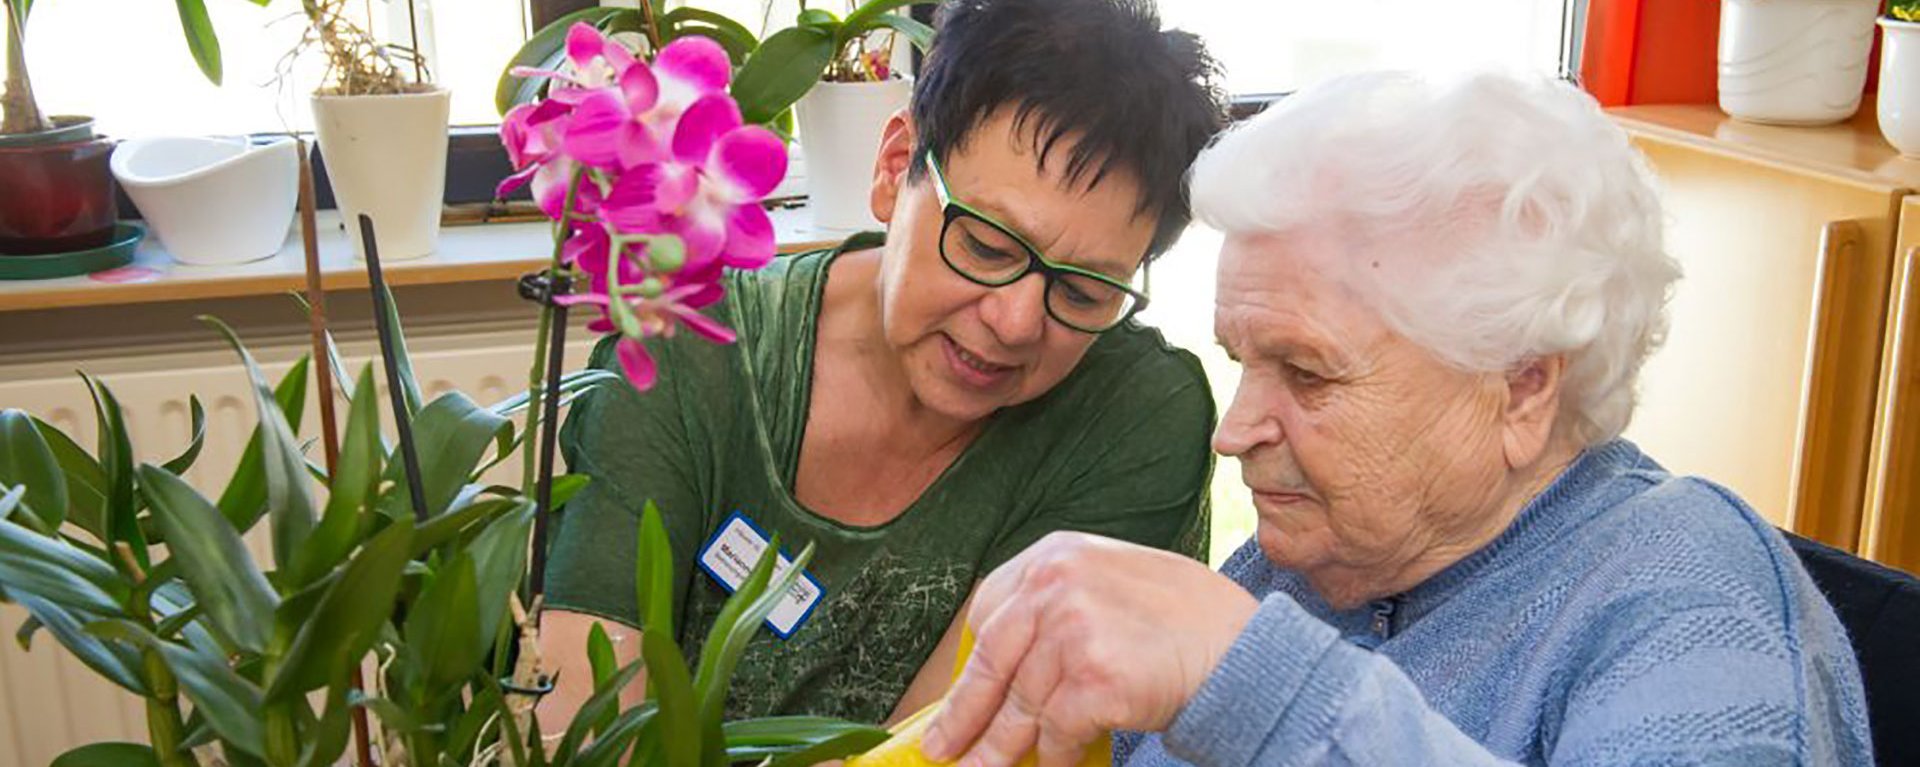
{"x": 348, "y": 617}
{"x": 451, "y": 434}
{"x": 116, "y": 455}
{"x": 175, "y": 623}
{"x": 465, "y": 734}
{"x": 35, "y": 565}
{"x": 837, "y": 747}
{"x": 820, "y": 19}
{"x": 653, "y": 574}
{"x": 731, "y": 35}
{"x": 680, "y": 726}
{"x": 213, "y": 560}
{"x": 23, "y": 636}
{"x": 113, "y": 661}
{"x": 86, "y": 481}
{"x": 787, "y": 730}
{"x": 329, "y": 737}
{"x": 572, "y": 384}
{"x": 108, "y": 755}
{"x": 231, "y": 704}
{"x": 391, "y": 715}
{"x": 448, "y": 526}
{"x": 782, "y": 70}
{"x": 600, "y": 655}
{"x": 289, "y": 503}
{"x": 544, "y": 50}
{"x": 716, "y": 678}
{"x": 500, "y": 559}
{"x": 402, "y": 361}
{"x": 612, "y": 742}
{"x": 245, "y": 498}
{"x": 729, "y": 618}
{"x": 598, "y": 709}
{"x": 27, "y": 461}
{"x": 355, "y": 476}
{"x": 866, "y": 16}
{"x": 919, "y": 34}
{"x": 566, "y": 486}
{"x": 184, "y": 461}
{"x": 200, "y": 37}
{"x": 443, "y": 626}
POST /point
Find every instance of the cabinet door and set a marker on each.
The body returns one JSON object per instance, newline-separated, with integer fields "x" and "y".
{"x": 1767, "y": 381}
{"x": 1893, "y": 490}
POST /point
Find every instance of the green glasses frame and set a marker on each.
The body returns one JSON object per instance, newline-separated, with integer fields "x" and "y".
{"x": 953, "y": 210}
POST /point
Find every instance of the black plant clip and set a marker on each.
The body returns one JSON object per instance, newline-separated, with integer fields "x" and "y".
{"x": 543, "y": 287}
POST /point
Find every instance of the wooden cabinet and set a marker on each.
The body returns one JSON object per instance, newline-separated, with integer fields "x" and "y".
{"x": 1770, "y": 381}
{"x": 1892, "y": 526}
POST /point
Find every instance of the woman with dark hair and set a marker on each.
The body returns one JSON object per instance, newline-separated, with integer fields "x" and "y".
{"x": 924, "y": 404}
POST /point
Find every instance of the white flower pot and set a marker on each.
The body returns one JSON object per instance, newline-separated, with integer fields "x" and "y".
{"x": 386, "y": 156}
{"x": 1899, "y": 104}
{"x": 840, "y": 127}
{"x": 1794, "y": 62}
{"x": 212, "y": 201}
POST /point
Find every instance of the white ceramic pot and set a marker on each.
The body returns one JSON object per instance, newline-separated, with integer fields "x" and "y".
{"x": 212, "y": 201}
{"x": 1899, "y": 104}
{"x": 840, "y": 127}
{"x": 1794, "y": 62}
{"x": 386, "y": 156}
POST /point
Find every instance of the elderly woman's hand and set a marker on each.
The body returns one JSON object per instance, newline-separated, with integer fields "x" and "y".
{"x": 1079, "y": 635}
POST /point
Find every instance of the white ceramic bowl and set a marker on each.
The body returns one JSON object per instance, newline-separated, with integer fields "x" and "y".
{"x": 212, "y": 201}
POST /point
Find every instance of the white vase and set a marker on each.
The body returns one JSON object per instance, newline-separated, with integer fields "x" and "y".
{"x": 840, "y": 127}
{"x": 212, "y": 201}
{"x": 386, "y": 157}
{"x": 1794, "y": 62}
{"x": 1899, "y": 104}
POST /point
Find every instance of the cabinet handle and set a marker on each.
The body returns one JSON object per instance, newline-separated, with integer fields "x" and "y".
{"x": 1894, "y": 496}
{"x": 1828, "y": 497}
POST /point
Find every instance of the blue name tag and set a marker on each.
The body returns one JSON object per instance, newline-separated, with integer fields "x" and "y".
{"x": 729, "y": 557}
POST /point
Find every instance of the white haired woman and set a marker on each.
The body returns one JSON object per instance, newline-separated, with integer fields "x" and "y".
{"x": 1441, "y": 295}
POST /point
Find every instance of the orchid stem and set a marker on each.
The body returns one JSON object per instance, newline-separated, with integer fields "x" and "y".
{"x": 537, "y": 383}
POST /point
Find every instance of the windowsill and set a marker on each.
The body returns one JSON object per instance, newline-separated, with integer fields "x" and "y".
{"x": 1852, "y": 150}
{"x": 476, "y": 253}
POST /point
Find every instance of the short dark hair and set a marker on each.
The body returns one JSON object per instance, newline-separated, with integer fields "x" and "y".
{"x": 1100, "y": 71}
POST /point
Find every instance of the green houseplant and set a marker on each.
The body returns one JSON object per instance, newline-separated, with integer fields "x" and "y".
{"x": 59, "y": 191}
{"x": 1899, "y": 96}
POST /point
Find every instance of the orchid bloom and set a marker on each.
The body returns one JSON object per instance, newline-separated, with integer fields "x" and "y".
{"x": 653, "y": 178}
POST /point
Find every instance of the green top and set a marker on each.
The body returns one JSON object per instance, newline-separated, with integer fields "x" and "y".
{"x": 1118, "y": 448}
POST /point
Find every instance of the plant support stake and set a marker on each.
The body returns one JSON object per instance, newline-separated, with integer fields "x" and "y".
{"x": 402, "y": 420}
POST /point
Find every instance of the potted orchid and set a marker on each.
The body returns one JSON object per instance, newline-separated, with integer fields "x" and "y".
{"x": 58, "y": 192}
{"x": 405, "y": 565}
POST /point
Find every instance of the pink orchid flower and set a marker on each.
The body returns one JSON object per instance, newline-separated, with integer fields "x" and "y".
{"x": 665, "y": 183}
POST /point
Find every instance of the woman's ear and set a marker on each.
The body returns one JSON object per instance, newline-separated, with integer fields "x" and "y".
{"x": 890, "y": 166}
{"x": 1533, "y": 405}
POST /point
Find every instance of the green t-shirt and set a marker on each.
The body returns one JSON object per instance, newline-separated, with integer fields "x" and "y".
{"x": 1118, "y": 448}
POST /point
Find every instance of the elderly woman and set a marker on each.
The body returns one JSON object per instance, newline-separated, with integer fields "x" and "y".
{"x": 921, "y": 406}
{"x": 1441, "y": 296}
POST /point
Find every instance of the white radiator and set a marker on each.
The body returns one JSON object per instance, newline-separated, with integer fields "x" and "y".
{"x": 49, "y": 702}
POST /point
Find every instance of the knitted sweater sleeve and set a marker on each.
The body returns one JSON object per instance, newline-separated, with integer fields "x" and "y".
{"x": 1291, "y": 692}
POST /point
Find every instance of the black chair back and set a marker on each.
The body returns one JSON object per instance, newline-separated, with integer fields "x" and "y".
{"x": 1880, "y": 607}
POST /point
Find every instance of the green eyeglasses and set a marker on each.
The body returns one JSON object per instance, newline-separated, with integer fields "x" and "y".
{"x": 988, "y": 253}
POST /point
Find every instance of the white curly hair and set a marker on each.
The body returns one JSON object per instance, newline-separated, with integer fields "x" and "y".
{"x": 1503, "y": 219}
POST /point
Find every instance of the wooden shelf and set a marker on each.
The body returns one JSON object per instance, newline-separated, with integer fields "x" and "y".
{"x": 474, "y": 253}
{"x": 1851, "y": 151}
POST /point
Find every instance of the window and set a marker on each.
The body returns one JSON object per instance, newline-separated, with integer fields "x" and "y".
{"x": 1276, "y": 46}
{"x": 125, "y": 62}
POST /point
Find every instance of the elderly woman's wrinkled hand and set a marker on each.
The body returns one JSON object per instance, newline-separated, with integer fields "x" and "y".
{"x": 1081, "y": 635}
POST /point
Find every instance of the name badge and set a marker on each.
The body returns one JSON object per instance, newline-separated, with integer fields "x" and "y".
{"x": 729, "y": 557}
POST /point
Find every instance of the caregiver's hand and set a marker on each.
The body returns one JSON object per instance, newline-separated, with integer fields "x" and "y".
{"x": 1079, "y": 635}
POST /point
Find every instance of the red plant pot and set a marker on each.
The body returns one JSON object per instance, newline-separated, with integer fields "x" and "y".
{"x": 56, "y": 198}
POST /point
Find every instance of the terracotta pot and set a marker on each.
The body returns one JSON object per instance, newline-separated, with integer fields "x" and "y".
{"x": 56, "y": 194}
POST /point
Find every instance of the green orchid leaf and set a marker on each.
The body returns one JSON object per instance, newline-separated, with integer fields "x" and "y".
{"x": 572, "y": 384}
{"x": 27, "y": 461}
{"x": 245, "y": 498}
{"x": 731, "y": 35}
{"x": 116, "y": 456}
{"x": 183, "y": 462}
{"x": 598, "y": 710}
{"x": 201, "y": 40}
{"x": 449, "y": 526}
{"x": 866, "y": 16}
{"x": 916, "y": 32}
{"x": 113, "y": 661}
{"x": 356, "y": 475}
{"x": 289, "y": 502}
{"x": 86, "y": 480}
{"x": 212, "y": 559}
{"x": 680, "y": 728}
{"x": 612, "y": 742}
{"x": 443, "y": 626}
{"x": 348, "y": 618}
{"x": 837, "y": 747}
{"x": 452, "y": 434}
{"x": 108, "y": 755}
{"x": 327, "y": 739}
{"x": 783, "y": 69}
{"x": 653, "y": 574}
{"x": 55, "y": 570}
{"x": 231, "y": 704}
{"x": 600, "y": 655}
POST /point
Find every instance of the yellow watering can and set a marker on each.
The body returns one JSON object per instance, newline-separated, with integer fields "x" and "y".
{"x": 903, "y": 749}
